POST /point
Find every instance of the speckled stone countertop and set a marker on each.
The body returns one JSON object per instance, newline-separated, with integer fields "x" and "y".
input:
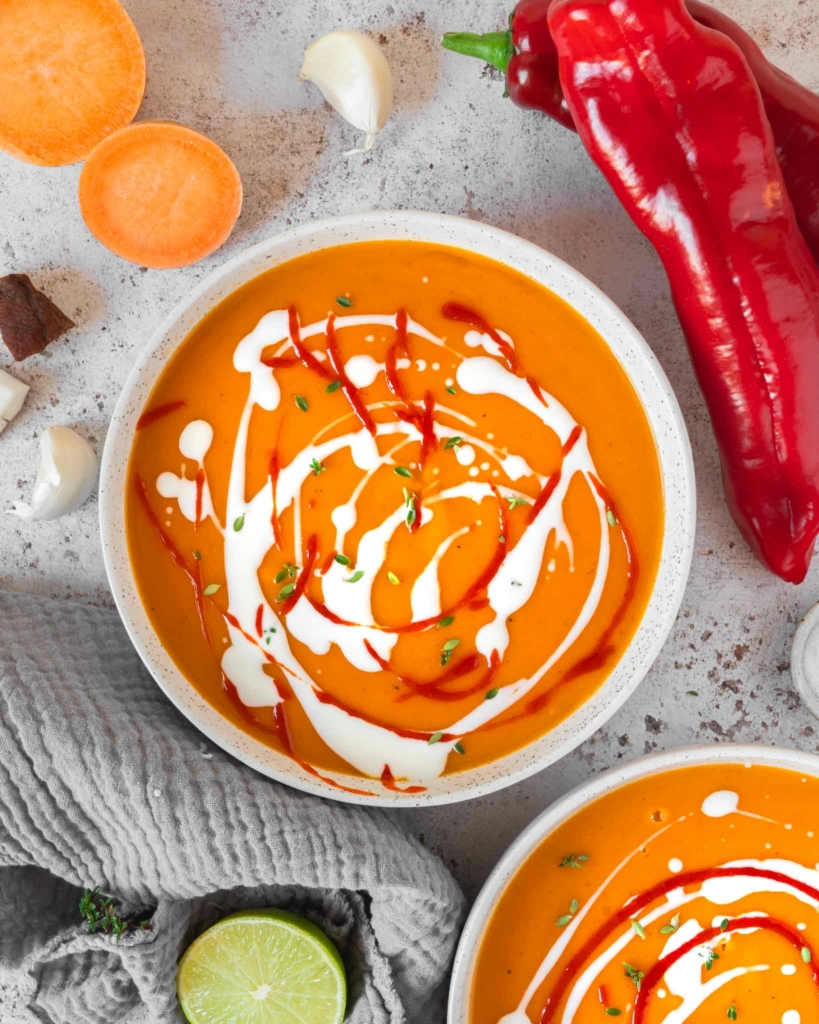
{"x": 229, "y": 68}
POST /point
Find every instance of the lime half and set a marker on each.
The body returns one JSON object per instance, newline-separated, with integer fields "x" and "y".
{"x": 262, "y": 967}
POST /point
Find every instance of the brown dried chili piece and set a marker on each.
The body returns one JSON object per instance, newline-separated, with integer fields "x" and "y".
{"x": 29, "y": 320}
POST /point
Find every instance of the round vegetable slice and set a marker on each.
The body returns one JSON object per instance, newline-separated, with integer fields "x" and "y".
{"x": 160, "y": 194}
{"x": 264, "y": 966}
{"x": 71, "y": 72}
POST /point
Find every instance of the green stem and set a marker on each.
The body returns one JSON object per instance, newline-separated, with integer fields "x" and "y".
{"x": 494, "y": 48}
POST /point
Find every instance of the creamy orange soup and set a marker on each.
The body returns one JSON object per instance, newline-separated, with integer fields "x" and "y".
{"x": 394, "y": 509}
{"x": 692, "y": 895}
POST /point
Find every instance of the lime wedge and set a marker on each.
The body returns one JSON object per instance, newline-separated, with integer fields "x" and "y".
{"x": 262, "y": 967}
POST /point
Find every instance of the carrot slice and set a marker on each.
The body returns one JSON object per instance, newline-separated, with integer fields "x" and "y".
{"x": 71, "y": 72}
{"x": 159, "y": 194}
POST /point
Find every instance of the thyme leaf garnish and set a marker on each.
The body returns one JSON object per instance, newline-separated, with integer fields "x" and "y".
{"x": 238, "y": 522}
{"x": 317, "y": 467}
{"x": 574, "y": 860}
{"x": 211, "y": 589}
{"x": 342, "y": 300}
{"x": 334, "y": 385}
{"x": 355, "y": 577}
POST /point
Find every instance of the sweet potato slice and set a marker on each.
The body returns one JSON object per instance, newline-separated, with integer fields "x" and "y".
{"x": 29, "y": 320}
{"x": 71, "y": 72}
{"x": 159, "y": 194}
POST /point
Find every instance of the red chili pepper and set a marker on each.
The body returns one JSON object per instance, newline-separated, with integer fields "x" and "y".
{"x": 670, "y": 113}
{"x": 527, "y": 55}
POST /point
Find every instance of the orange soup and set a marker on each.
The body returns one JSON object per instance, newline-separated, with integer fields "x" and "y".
{"x": 394, "y": 509}
{"x": 691, "y": 895}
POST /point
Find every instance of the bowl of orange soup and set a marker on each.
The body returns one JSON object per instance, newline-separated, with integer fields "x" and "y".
{"x": 397, "y": 507}
{"x": 681, "y": 887}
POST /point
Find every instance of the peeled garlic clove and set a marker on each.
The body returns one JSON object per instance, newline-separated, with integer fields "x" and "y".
{"x": 65, "y": 477}
{"x": 355, "y": 79}
{"x": 12, "y": 395}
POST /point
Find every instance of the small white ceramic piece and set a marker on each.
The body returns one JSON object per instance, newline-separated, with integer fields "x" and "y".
{"x": 554, "y": 816}
{"x": 805, "y": 660}
{"x": 12, "y": 395}
{"x": 638, "y": 362}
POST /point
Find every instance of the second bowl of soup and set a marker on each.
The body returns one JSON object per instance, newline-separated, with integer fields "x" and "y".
{"x": 398, "y": 507}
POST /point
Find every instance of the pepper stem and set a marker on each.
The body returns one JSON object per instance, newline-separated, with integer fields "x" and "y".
{"x": 494, "y": 48}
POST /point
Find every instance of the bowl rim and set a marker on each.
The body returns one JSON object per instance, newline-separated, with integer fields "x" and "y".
{"x": 627, "y": 344}
{"x": 564, "y": 807}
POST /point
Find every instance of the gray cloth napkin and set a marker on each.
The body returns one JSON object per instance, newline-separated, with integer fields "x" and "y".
{"x": 103, "y": 783}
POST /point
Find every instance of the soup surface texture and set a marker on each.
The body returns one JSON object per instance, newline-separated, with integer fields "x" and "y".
{"x": 691, "y": 895}
{"x": 394, "y": 509}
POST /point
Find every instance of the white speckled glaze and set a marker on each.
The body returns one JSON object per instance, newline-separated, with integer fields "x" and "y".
{"x": 636, "y": 358}
{"x": 554, "y": 816}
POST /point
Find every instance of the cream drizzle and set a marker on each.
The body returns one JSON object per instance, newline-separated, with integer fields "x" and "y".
{"x": 366, "y": 746}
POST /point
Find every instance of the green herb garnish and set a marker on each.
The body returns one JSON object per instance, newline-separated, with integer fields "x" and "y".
{"x": 286, "y": 570}
{"x": 805, "y": 954}
{"x": 451, "y": 390}
{"x": 238, "y": 522}
{"x": 301, "y": 402}
{"x": 402, "y": 471}
{"x": 98, "y": 911}
{"x": 491, "y": 694}
{"x": 610, "y": 516}
{"x": 447, "y": 620}
{"x": 710, "y": 957}
{"x": 393, "y": 579}
{"x": 342, "y": 300}
{"x": 285, "y": 592}
{"x": 342, "y": 559}
{"x": 435, "y": 738}
{"x": 693, "y": 693}
{"x": 563, "y": 920}
{"x": 334, "y": 385}
{"x": 634, "y": 975}
{"x": 355, "y": 577}
{"x": 514, "y": 500}
{"x": 723, "y": 925}
{"x": 198, "y": 556}
{"x": 447, "y": 649}
{"x": 612, "y": 1011}
{"x": 453, "y": 442}
{"x": 732, "y": 1012}
{"x": 317, "y": 467}
{"x": 574, "y": 860}
{"x": 459, "y": 748}
{"x": 672, "y": 926}
{"x": 211, "y": 589}
{"x": 638, "y": 929}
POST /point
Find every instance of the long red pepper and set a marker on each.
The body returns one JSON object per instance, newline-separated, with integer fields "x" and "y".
{"x": 670, "y": 113}
{"x": 527, "y": 55}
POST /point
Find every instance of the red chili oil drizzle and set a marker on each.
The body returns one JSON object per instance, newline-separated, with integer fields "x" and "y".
{"x": 273, "y": 470}
{"x": 350, "y": 390}
{"x": 434, "y": 691}
{"x": 550, "y": 485}
{"x": 465, "y": 315}
{"x": 327, "y": 564}
{"x": 322, "y": 609}
{"x": 286, "y": 741}
{"x": 400, "y": 347}
{"x": 429, "y": 442}
{"x": 231, "y": 618}
{"x": 638, "y": 903}
{"x": 305, "y": 355}
{"x": 310, "y": 556}
{"x": 147, "y": 418}
{"x": 410, "y": 734}
{"x": 280, "y": 362}
{"x": 200, "y": 489}
{"x": 388, "y": 782}
{"x": 462, "y": 668}
{"x": 655, "y": 975}
{"x": 603, "y": 996}
{"x": 194, "y": 575}
{"x": 259, "y": 614}
{"x": 478, "y": 586}
{"x": 233, "y": 696}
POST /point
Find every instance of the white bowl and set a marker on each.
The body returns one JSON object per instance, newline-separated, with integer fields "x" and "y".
{"x": 638, "y": 362}
{"x": 554, "y": 816}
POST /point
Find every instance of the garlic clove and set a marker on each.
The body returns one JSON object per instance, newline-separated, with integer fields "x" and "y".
{"x": 12, "y": 395}
{"x": 354, "y": 77}
{"x": 65, "y": 477}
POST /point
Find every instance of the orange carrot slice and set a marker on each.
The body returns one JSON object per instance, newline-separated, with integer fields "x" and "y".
{"x": 159, "y": 194}
{"x": 71, "y": 72}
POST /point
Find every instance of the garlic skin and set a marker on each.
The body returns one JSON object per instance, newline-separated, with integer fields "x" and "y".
{"x": 12, "y": 395}
{"x": 354, "y": 77}
{"x": 65, "y": 477}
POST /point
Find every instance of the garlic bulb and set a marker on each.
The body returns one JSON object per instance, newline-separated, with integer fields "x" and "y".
{"x": 355, "y": 79}
{"x": 12, "y": 395}
{"x": 65, "y": 477}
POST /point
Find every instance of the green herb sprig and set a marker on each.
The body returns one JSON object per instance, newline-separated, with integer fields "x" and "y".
{"x": 98, "y": 911}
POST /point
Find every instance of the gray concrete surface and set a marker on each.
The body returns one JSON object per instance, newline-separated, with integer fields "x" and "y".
{"x": 229, "y": 68}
